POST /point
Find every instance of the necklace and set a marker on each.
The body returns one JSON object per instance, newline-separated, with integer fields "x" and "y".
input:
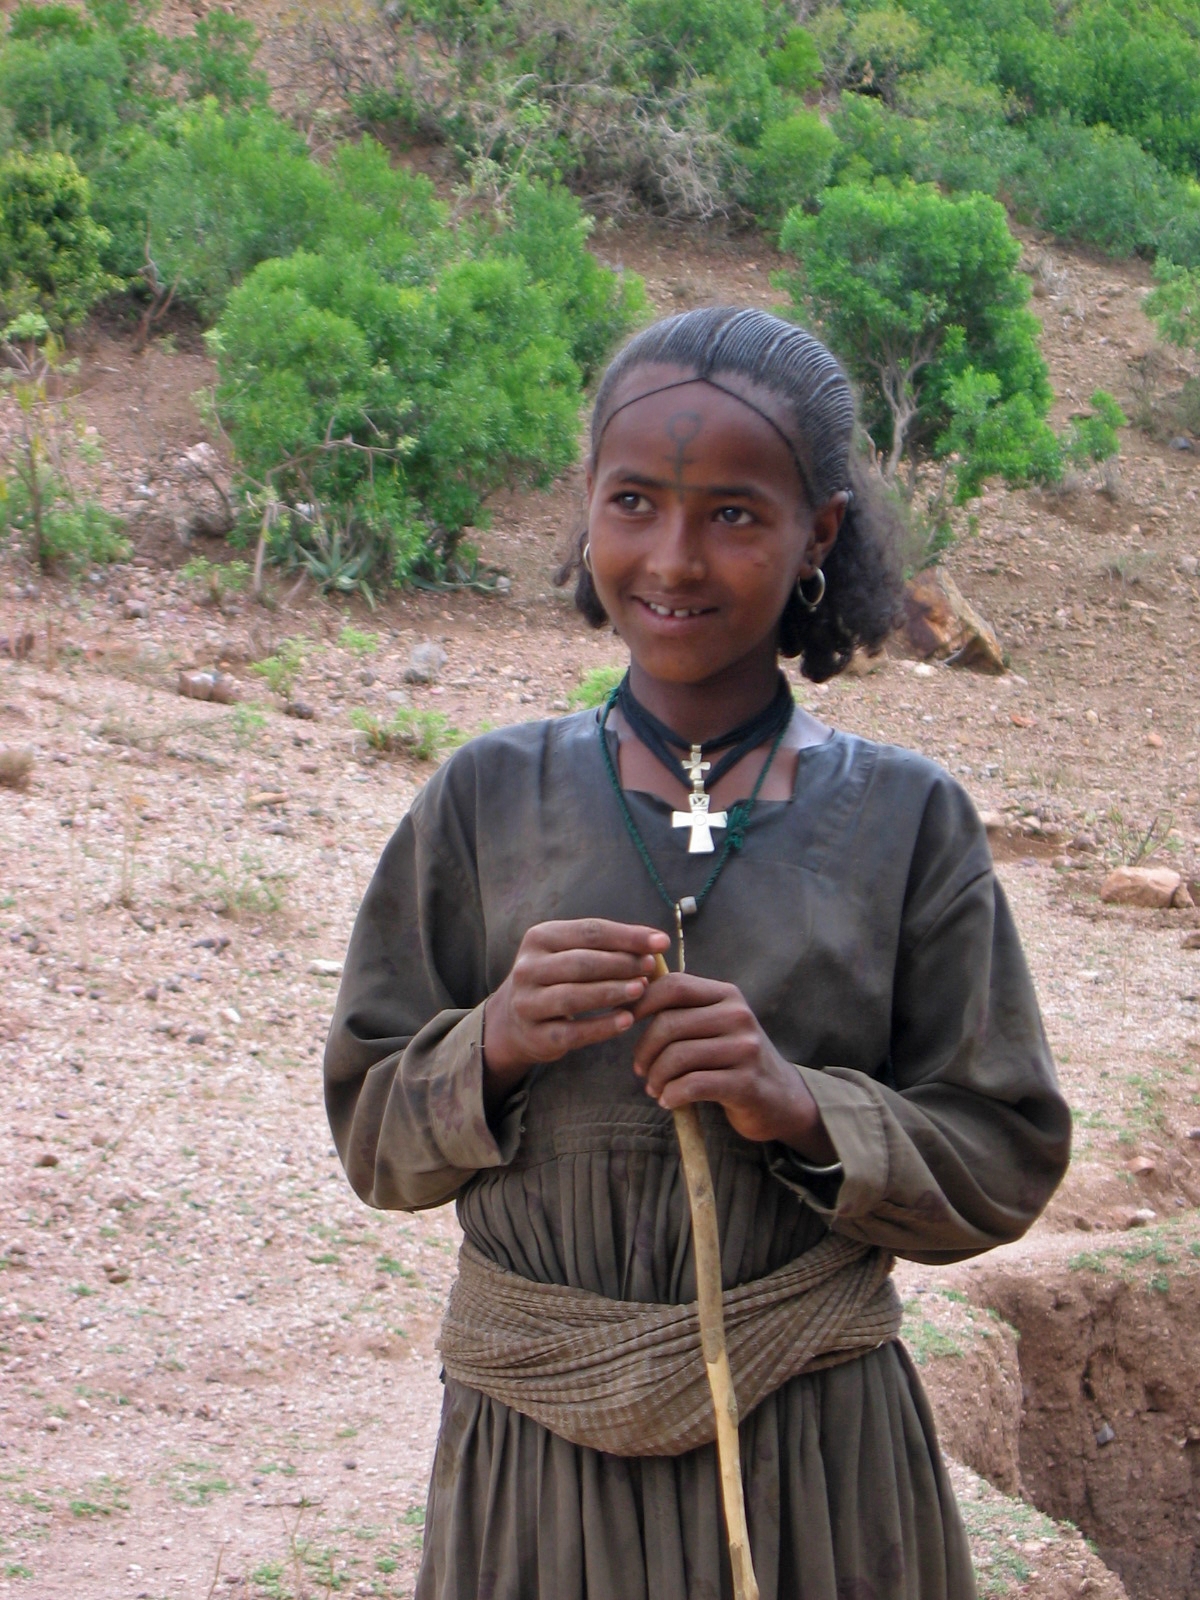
{"x": 662, "y": 742}
{"x": 734, "y": 821}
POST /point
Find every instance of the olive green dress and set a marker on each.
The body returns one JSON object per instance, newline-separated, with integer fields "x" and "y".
{"x": 863, "y": 923}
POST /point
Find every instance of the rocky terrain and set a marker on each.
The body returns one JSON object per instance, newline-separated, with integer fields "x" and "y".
{"x": 218, "y": 1368}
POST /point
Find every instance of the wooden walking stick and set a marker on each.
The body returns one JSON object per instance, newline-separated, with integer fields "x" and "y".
{"x": 706, "y": 1246}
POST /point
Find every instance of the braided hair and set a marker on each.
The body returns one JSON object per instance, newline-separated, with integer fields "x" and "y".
{"x": 816, "y": 407}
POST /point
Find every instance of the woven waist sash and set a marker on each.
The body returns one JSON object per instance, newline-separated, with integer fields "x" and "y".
{"x": 628, "y": 1377}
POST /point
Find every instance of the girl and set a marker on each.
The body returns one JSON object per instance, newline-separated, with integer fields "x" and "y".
{"x": 856, "y": 1023}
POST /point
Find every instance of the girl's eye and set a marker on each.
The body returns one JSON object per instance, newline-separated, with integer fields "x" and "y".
{"x": 629, "y": 501}
{"x": 734, "y": 517}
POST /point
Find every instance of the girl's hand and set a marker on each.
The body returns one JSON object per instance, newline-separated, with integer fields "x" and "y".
{"x": 703, "y": 1042}
{"x": 572, "y": 984}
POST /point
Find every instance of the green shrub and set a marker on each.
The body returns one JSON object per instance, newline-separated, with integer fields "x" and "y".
{"x": 49, "y": 244}
{"x": 789, "y": 167}
{"x": 1174, "y": 304}
{"x": 912, "y": 290}
{"x": 595, "y": 307}
{"x": 795, "y": 64}
{"x": 61, "y": 78}
{"x": 392, "y": 410}
{"x": 1094, "y": 438}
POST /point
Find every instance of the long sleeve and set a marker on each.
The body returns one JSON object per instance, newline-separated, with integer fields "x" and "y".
{"x": 404, "y": 1058}
{"x": 959, "y": 1143}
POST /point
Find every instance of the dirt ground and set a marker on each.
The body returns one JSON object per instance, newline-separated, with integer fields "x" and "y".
{"x": 218, "y": 1367}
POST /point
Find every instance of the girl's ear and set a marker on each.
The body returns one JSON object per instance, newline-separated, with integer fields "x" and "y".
{"x": 826, "y": 522}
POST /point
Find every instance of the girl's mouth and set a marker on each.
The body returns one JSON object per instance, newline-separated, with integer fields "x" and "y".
{"x": 677, "y": 613}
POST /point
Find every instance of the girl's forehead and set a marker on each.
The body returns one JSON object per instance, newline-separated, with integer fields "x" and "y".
{"x": 662, "y": 410}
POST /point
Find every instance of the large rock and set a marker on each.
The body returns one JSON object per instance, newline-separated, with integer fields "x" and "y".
{"x": 1155, "y": 887}
{"x": 940, "y": 622}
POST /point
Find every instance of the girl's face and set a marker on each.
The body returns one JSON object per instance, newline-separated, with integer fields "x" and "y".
{"x": 699, "y": 528}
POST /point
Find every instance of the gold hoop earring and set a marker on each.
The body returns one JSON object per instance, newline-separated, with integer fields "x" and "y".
{"x": 811, "y": 605}
{"x": 585, "y": 555}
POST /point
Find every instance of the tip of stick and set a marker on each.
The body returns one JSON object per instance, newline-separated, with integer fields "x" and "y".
{"x": 660, "y": 967}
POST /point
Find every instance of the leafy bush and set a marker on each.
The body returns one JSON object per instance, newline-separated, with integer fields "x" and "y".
{"x": 790, "y": 165}
{"x": 912, "y": 291}
{"x": 595, "y": 307}
{"x": 392, "y": 411}
{"x": 40, "y": 501}
{"x": 1174, "y": 303}
{"x": 49, "y": 245}
{"x": 795, "y": 64}
{"x": 1094, "y": 438}
{"x": 60, "y": 75}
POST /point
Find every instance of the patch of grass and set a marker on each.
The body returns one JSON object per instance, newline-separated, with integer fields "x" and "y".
{"x": 281, "y": 670}
{"x": 217, "y": 580}
{"x": 594, "y": 688}
{"x": 923, "y": 1339}
{"x": 240, "y": 886}
{"x": 247, "y": 722}
{"x": 395, "y": 1269}
{"x": 425, "y": 735}
{"x": 1087, "y": 1261}
{"x": 196, "y": 1483}
{"x": 358, "y": 642}
{"x": 17, "y": 1569}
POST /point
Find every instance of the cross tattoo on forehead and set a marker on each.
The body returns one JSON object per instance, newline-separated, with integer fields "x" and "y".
{"x": 682, "y": 428}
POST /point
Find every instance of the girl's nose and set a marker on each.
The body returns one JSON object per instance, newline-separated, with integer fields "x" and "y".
{"x": 676, "y": 555}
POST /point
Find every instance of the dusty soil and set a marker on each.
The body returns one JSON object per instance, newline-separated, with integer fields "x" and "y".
{"x": 218, "y": 1367}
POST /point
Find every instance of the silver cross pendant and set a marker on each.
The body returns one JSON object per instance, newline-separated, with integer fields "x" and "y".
{"x": 701, "y": 821}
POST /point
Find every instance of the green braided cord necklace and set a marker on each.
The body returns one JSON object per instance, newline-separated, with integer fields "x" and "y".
{"x": 735, "y": 833}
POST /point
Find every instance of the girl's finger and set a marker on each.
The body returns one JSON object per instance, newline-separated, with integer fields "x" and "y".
{"x": 687, "y": 1056}
{"x": 698, "y": 1022}
{"x": 725, "y": 1087}
{"x": 545, "y": 970}
{"x": 571, "y": 1000}
{"x": 683, "y": 991}
{"x": 557, "y": 1039}
{"x": 597, "y": 933}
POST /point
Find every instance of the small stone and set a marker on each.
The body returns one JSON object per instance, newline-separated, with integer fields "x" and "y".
{"x": 1083, "y": 841}
{"x": 325, "y": 969}
{"x": 993, "y": 821}
{"x": 301, "y": 709}
{"x": 425, "y": 663}
{"x": 1093, "y": 717}
{"x": 267, "y": 797}
{"x": 137, "y": 610}
{"x": 224, "y": 690}
{"x": 116, "y": 1274}
{"x": 1140, "y": 1165}
{"x": 1180, "y": 442}
{"x": 1104, "y": 1435}
{"x": 1142, "y": 1218}
{"x": 1154, "y": 740}
{"x": 197, "y": 685}
{"x": 1194, "y": 1133}
{"x": 197, "y": 1036}
{"x": 46, "y": 1159}
{"x": 1189, "y": 565}
{"x": 1155, "y": 887}
{"x": 231, "y": 1014}
{"x": 1191, "y": 941}
{"x": 1084, "y": 1224}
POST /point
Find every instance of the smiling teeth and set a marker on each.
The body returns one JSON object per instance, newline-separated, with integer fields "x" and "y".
{"x": 665, "y": 611}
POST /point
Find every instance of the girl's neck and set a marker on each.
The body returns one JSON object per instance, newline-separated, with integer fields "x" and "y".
{"x": 705, "y": 710}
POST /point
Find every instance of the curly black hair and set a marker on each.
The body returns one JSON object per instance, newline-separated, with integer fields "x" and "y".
{"x": 862, "y": 571}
